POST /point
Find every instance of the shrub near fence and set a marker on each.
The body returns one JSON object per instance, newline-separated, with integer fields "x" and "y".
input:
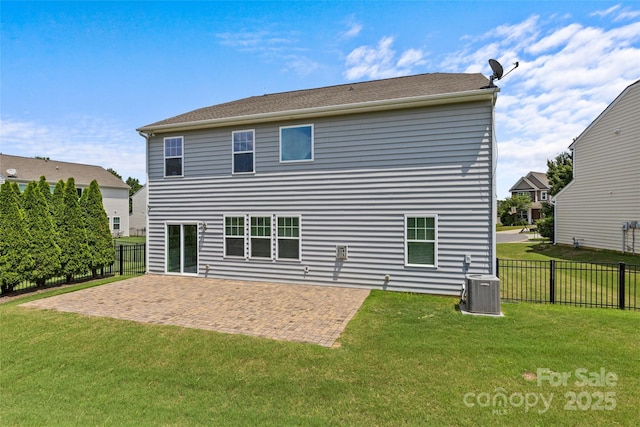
{"x": 130, "y": 260}
{"x": 571, "y": 283}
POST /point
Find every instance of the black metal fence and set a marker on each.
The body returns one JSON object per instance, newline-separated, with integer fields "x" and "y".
{"x": 129, "y": 260}
{"x": 570, "y": 283}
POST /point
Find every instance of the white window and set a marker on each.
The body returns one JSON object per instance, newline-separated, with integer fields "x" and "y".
{"x": 173, "y": 156}
{"x": 288, "y": 236}
{"x": 296, "y": 143}
{"x": 234, "y": 236}
{"x": 243, "y": 151}
{"x": 116, "y": 223}
{"x": 543, "y": 196}
{"x": 421, "y": 240}
{"x": 260, "y": 237}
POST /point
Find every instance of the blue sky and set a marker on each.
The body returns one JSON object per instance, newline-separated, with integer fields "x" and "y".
{"x": 77, "y": 78}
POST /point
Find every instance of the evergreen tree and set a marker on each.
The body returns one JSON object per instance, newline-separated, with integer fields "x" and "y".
{"x": 45, "y": 189}
{"x": 72, "y": 235}
{"x": 39, "y": 222}
{"x": 97, "y": 227}
{"x": 15, "y": 259}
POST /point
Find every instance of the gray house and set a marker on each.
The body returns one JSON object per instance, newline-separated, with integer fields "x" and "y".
{"x": 385, "y": 184}
{"x": 600, "y": 207}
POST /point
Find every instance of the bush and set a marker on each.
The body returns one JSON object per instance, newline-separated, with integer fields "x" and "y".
{"x": 545, "y": 227}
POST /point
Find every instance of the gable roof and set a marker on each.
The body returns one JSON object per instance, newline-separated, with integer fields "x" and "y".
{"x": 632, "y": 86}
{"x": 331, "y": 100}
{"x": 30, "y": 169}
{"x": 533, "y": 181}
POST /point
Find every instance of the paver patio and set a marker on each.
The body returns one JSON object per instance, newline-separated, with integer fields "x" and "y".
{"x": 303, "y": 313}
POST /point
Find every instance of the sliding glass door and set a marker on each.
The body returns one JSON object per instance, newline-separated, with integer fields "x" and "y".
{"x": 182, "y": 248}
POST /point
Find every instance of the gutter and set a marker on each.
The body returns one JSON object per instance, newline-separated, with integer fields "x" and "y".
{"x": 324, "y": 111}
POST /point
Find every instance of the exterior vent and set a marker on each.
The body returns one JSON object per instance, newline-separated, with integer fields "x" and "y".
{"x": 483, "y": 294}
{"x": 342, "y": 252}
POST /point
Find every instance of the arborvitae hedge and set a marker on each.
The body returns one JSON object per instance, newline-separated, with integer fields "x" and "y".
{"x": 39, "y": 222}
{"x": 97, "y": 227}
{"x": 73, "y": 236}
{"x": 15, "y": 258}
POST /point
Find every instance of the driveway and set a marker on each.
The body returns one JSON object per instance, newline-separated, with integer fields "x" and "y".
{"x": 302, "y": 313}
{"x": 512, "y": 236}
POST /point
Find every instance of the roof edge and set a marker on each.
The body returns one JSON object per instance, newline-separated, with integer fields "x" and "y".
{"x": 331, "y": 110}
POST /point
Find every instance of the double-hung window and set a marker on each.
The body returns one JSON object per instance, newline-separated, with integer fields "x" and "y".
{"x": 296, "y": 143}
{"x": 260, "y": 237}
{"x": 234, "y": 233}
{"x": 116, "y": 223}
{"x": 288, "y": 246}
{"x": 421, "y": 240}
{"x": 173, "y": 156}
{"x": 243, "y": 151}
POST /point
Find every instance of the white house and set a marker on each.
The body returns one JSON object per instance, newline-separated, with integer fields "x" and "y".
{"x": 600, "y": 207}
{"x": 115, "y": 193}
{"x": 138, "y": 214}
{"x": 385, "y": 184}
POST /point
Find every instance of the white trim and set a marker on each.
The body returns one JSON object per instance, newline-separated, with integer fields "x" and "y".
{"x": 181, "y": 157}
{"x": 299, "y": 238}
{"x": 166, "y": 247}
{"x": 270, "y": 237}
{"x": 435, "y": 239}
{"x": 253, "y": 152}
{"x": 245, "y": 254}
{"x": 312, "y": 143}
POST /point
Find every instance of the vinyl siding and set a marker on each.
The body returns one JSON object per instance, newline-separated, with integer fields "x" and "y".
{"x": 605, "y": 190}
{"x": 369, "y": 171}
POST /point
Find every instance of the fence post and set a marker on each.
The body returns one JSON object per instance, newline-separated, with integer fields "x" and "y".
{"x": 121, "y": 259}
{"x": 497, "y": 268}
{"x": 552, "y": 281}
{"x": 621, "y": 274}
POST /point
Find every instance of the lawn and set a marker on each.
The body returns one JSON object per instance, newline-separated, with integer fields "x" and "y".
{"x": 540, "y": 251}
{"x": 405, "y": 359}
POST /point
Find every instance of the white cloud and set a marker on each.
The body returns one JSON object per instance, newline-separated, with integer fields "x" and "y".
{"x": 380, "y": 61}
{"x": 86, "y": 140}
{"x": 353, "y": 30}
{"x": 569, "y": 73}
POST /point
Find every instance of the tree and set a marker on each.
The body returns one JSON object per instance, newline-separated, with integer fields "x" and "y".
{"x": 559, "y": 172}
{"x": 45, "y": 189}
{"x": 114, "y": 173}
{"x": 510, "y": 208}
{"x": 71, "y": 231}
{"x": 15, "y": 259}
{"x": 41, "y": 231}
{"x": 134, "y": 186}
{"x": 97, "y": 227}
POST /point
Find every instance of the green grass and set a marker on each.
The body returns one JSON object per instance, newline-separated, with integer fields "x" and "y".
{"x": 133, "y": 240}
{"x": 404, "y": 359}
{"x": 537, "y": 251}
{"x": 501, "y": 227}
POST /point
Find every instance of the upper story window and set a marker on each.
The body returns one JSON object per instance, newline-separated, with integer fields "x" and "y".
{"x": 524, "y": 193}
{"x": 421, "y": 242}
{"x": 173, "y": 156}
{"x": 243, "y": 151}
{"x": 296, "y": 143}
{"x": 543, "y": 196}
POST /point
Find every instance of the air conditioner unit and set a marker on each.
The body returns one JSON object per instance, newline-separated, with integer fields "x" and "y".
{"x": 483, "y": 293}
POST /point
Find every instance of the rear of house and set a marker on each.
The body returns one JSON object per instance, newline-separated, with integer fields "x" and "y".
{"x": 386, "y": 184}
{"x": 598, "y": 208}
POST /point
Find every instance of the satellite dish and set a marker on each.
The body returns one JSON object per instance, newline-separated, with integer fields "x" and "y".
{"x": 497, "y": 69}
{"x": 12, "y": 172}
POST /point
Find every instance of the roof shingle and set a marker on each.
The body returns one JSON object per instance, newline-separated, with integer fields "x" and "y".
{"x": 345, "y": 94}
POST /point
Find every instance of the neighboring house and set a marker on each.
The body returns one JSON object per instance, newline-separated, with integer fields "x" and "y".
{"x": 384, "y": 184}
{"x": 600, "y": 207}
{"x": 115, "y": 193}
{"x": 536, "y": 186}
{"x": 138, "y": 214}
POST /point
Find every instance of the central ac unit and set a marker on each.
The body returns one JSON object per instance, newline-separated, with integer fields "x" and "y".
{"x": 483, "y": 293}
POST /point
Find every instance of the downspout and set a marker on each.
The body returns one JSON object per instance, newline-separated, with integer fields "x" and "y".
{"x": 146, "y": 136}
{"x": 494, "y": 197}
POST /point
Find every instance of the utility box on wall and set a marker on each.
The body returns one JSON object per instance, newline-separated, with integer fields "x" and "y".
{"x": 342, "y": 252}
{"x": 483, "y": 293}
